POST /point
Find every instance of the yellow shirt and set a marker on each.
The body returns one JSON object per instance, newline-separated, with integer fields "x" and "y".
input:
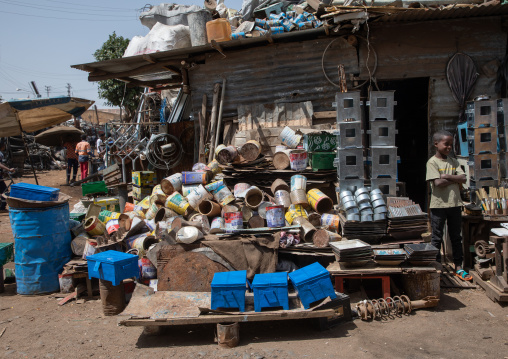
{"x": 447, "y": 196}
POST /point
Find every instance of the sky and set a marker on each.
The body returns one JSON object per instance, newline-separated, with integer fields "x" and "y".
{"x": 41, "y": 39}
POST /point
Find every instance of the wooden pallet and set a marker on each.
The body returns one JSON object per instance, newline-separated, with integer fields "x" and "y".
{"x": 449, "y": 280}
{"x": 492, "y": 292}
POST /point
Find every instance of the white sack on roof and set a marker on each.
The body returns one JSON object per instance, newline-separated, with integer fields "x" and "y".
{"x": 167, "y": 14}
{"x": 160, "y": 38}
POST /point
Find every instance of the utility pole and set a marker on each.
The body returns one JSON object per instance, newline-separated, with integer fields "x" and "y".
{"x": 69, "y": 89}
{"x": 47, "y": 88}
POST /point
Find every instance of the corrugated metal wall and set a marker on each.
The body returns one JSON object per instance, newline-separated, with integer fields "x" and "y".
{"x": 285, "y": 72}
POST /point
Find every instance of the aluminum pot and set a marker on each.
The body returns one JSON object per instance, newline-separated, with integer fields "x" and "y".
{"x": 349, "y": 204}
{"x": 381, "y": 209}
{"x": 366, "y": 211}
{"x": 353, "y": 217}
{"x": 375, "y": 197}
{"x": 361, "y": 191}
{"x": 347, "y": 199}
{"x": 379, "y": 216}
{"x": 364, "y": 197}
{"x": 366, "y": 218}
{"x": 376, "y": 191}
{"x": 378, "y": 203}
{"x": 345, "y": 194}
{"x": 352, "y": 210}
{"x": 364, "y": 205}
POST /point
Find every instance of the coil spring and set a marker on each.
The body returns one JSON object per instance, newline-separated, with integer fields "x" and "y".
{"x": 384, "y": 308}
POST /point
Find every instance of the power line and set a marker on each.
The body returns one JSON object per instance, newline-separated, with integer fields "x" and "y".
{"x": 102, "y": 7}
{"x": 57, "y": 10}
{"x": 58, "y": 18}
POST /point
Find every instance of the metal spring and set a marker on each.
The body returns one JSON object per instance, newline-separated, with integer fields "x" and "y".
{"x": 384, "y": 308}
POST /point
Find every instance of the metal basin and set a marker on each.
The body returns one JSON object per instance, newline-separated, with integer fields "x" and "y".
{"x": 381, "y": 209}
{"x": 360, "y": 191}
{"x": 364, "y": 197}
{"x": 347, "y": 199}
{"x": 353, "y": 217}
{"x": 376, "y": 191}
{"x": 376, "y": 196}
{"x": 349, "y": 204}
{"x": 364, "y": 205}
{"x": 344, "y": 194}
{"x": 379, "y": 216}
{"x": 378, "y": 203}
{"x": 352, "y": 210}
{"x": 366, "y": 218}
{"x": 366, "y": 211}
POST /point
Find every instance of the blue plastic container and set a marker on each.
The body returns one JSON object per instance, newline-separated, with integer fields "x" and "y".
{"x": 42, "y": 242}
{"x": 113, "y": 266}
{"x": 228, "y": 290}
{"x": 313, "y": 283}
{"x": 270, "y": 290}
{"x": 34, "y": 192}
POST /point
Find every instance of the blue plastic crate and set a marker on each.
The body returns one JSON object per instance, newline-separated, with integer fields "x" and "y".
{"x": 313, "y": 283}
{"x": 270, "y": 290}
{"x": 228, "y": 290}
{"x": 113, "y": 266}
{"x": 34, "y": 192}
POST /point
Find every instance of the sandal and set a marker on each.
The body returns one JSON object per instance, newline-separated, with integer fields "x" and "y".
{"x": 462, "y": 274}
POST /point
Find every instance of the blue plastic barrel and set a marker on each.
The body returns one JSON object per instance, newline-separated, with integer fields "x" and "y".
{"x": 42, "y": 246}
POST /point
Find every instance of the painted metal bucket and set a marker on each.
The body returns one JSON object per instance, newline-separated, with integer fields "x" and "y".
{"x": 158, "y": 190}
{"x": 197, "y": 196}
{"x": 295, "y": 211}
{"x": 240, "y": 189}
{"x": 152, "y": 211}
{"x": 218, "y": 225}
{"x": 298, "y": 182}
{"x": 94, "y": 227}
{"x": 280, "y": 148}
{"x": 209, "y": 208}
{"x": 188, "y": 188}
{"x": 195, "y": 177}
{"x": 214, "y": 186}
{"x": 147, "y": 270}
{"x": 177, "y": 203}
{"x": 253, "y": 197}
{"x": 214, "y": 167}
{"x": 172, "y": 183}
{"x": 298, "y": 197}
{"x": 223, "y": 195}
{"x": 227, "y": 155}
{"x": 141, "y": 242}
{"x": 298, "y": 160}
{"x": 319, "y": 201}
{"x": 143, "y": 204}
{"x": 219, "y": 148}
{"x": 112, "y": 226}
{"x": 43, "y": 246}
{"x": 105, "y": 216}
{"x": 283, "y": 198}
{"x": 233, "y": 221}
{"x": 279, "y": 184}
{"x": 129, "y": 207}
{"x": 262, "y": 208}
{"x": 332, "y": 221}
{"x": 275, "y": 216}
{"x": 289, "y": 137}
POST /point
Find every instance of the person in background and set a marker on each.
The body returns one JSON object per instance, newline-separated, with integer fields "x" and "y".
{"x": 72, "y": 159}
{"x": 445, "y": 177}
{"x": 3, "y": 167}
{"x": 83, "y": 150}
{"x": 101, "y": 146}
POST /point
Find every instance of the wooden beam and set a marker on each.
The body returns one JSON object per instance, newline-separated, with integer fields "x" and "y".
{"x": 172, "y": 69}
{"x": 148, "y": 58}
{"x": 142, "y": 70}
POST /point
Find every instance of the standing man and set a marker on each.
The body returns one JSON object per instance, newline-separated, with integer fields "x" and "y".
{"x": 101, "y": 146}
{"x": 83, "y": 150}
{"x": 3, "y": 186}
{"x": 72, "y": 160}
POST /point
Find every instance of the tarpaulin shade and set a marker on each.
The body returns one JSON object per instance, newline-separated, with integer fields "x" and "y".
{"x": 38, "y": 114}
{"x": 54, "y": 136}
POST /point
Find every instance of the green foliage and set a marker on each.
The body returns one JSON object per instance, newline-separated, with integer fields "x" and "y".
{"x": 113, "y": 90}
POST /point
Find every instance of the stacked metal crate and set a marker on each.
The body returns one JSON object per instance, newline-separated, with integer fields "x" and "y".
{"x": 349, "y": 160}
{"x": 481, "y": 118}
{"x": 383, "y": 153}
{"x": 502, "y": 129}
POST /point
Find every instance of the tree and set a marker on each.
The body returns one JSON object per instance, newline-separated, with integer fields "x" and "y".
{"x": 113, "y": 90}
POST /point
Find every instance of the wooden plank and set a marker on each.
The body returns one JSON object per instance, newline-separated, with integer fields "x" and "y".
{"x": 324, "y": 115}
{"x": 337, "y": 268}
{"x": 490, "y": 291}
{"x": 236, "y": 318}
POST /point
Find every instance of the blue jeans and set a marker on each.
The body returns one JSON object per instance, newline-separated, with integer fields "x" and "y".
{"x": 453, "y": 216}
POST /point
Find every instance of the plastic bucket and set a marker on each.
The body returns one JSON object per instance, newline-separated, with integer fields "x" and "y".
{"x": 233, "y": 220}
{"x": 172, "y": 183}
{"x": 43, "y": 246}
{"x": 331, "y": 221}
{"x": 218, "y": 225}
{"x": 177, "y": 203}
{"x": 94, "y": 227}
{"x": 298, "y": 182}
{"x": 298, "y": 160}
{"x": 275, "y": 216}
{"x": 319, "y": 201}
{"x": 283, "y": 198}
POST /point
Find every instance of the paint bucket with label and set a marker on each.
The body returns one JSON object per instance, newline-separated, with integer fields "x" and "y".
{"x": 250, "y": 150}
{"x": 197, "y": 196}
{"x": 314, "y": 218}
{"x": 289, "y": 137}
{"x": 307, "y": 228}
{"x": 214, "y": 167}
{"x": 147, "y": 270}
{"x": 172, "y": 183}
{"x": 158, "y": 199}
{"x": 178, "y": 203}
{"x": 188, "y": 188}
{"x": 253, "y": 197}
{"x": 298, "y": 182}
{"x": 144, "y": 204}
{"x": 240, "y": 189}
{"x": 218, "y": 225}
{"x": 141, "y": 242}
{"x": 105, "y": 216}
{"x": 94, "y": 227}
{"x": 279, "y": 184}
{"x": 232, "y": 207}
{"x": 283, "y": 198}
{"x": 129, "y": 207}
{"x": 152, "y": 211}
{"x": 280, "y": 148}
{"x": 331, "y": 221}
{"x": 295, "y": 211}
{"x": 298, "y": 197}
{"x": 298, "y": 160}
{"x": 223, "y": 195}
{"x": 195, "y": 177}
{"x": 275, "y": 216}
{"x": 319, "y": 201}
{"x": 112, "y": 226}
{"x": 158, "y": 190}
{"x": 214, "y": 186}
{"x": 188, "y": 235}
{"x": 281, "y": 159}
{"x": 233, "y": 220}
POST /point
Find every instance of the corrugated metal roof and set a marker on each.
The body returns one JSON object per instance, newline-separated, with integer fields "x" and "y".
{"x": 285, "y": 72}
{"x": 452, "y": 12}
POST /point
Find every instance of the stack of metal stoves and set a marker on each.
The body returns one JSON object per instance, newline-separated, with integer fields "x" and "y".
{"x": 383, "y": 153}
{"x": 349, "y": 161}
{"x": 481, "y": 119}
{"x": 502, "y": 129}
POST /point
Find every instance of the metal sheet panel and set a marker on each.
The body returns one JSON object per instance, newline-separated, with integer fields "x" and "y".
{"x": 279, "y": 73}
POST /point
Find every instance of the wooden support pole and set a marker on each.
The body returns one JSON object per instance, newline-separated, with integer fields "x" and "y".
{"x": 219, "y": 124}
{"x": 26, "y": 148}
{"x": 213, "y": 120}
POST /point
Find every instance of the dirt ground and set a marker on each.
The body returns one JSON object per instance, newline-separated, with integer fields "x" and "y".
{"x": 466, "y": 324}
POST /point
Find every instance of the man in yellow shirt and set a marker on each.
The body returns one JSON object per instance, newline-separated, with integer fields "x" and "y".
{"x": 445, "y": 177}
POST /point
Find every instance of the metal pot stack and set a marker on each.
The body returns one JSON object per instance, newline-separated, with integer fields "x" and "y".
{"x": 378, "y": 204}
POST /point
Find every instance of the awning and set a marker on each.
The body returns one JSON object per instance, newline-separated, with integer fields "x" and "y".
{"x": 38, "y": 114}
